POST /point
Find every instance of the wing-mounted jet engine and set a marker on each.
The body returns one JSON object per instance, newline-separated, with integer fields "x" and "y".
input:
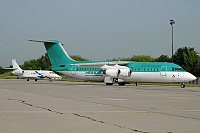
{"x": 124, "y": 71}
{"x": 114, "y": 72}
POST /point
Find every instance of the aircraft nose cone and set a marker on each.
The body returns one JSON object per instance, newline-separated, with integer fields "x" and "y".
{"x": 192, "y": 77}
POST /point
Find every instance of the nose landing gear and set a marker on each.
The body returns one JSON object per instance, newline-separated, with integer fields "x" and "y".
{"x": 182, "y": 85}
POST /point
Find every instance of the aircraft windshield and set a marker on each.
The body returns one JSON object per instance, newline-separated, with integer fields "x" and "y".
{"x": 177, "y": 69}
{"x": 51, "y": 72}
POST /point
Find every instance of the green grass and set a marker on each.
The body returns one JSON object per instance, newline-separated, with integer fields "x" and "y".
{"x": 7, "y": 75}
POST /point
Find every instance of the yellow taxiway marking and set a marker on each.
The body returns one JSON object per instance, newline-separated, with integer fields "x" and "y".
{"x": 96, "y": 111}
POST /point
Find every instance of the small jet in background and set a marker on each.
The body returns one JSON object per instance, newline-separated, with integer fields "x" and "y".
{"x": 32, "y": 73}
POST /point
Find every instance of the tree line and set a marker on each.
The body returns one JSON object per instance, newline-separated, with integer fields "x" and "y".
{"x": 186, "y": 57}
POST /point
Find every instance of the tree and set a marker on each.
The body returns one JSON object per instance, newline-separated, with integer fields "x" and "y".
{"x": 198, "y": 67}
{"x": 78, "y": 58}
{"x": 178, "y": 57}
{"x": 142, "y": 58}
{"x": 31, "y": 65}
{"x": 120, "y": 59}
{"x": 191, "y": 62}
{"x": 44, "y": 62}
{"x": 139, "y": 58}
{"x": 2, "y": 70}
{"x": 163, "y": 58}
{"x": 187, "y": 58}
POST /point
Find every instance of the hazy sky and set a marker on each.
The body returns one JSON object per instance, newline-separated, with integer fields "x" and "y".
{"x": 97, "y": 29}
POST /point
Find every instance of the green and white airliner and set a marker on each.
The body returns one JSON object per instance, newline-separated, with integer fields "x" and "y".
{"x": 110, "y": 72}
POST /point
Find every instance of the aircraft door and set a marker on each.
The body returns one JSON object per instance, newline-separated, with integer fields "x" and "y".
{"x": 163, "y": 70}
{"x": 73, "y": 70}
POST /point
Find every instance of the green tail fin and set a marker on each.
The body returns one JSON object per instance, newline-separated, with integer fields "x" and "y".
{"x": 57, "y": 54}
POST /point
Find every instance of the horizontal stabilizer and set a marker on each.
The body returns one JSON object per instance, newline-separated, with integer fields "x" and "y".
{"x": 8, "y": 68}
{"x": 14, "y": 64}
{"x": 43, "y": 41}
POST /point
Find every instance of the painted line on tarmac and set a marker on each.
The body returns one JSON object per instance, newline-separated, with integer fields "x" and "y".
{"x": 114, "y": 99}
{"x": 99, "y": 111}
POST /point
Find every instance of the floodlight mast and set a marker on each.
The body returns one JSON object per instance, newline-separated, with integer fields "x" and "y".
{"x": 171, "y": 23}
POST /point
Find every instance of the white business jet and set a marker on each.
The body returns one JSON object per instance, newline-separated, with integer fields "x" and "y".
{"x": 32, "y": 73}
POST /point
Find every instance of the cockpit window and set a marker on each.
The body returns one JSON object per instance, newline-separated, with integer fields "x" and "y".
{"x": 51, "y": 73}
{"x": 177, "y": 69}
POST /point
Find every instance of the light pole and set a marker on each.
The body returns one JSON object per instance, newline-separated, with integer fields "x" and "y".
{"x": 172, "y": 22}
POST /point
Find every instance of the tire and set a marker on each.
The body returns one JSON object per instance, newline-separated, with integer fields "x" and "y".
{"x": 109, "y": 83}
{"x": 121, "y": 83}
{"x": 182, "y": 85}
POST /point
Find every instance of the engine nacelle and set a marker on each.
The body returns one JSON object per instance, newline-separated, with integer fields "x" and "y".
{"x": 114, "y": 73}
{"x": 17, "y": 72}
{"x": 125, "y": 72}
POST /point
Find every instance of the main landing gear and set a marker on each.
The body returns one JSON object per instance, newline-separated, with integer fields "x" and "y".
{"x": 121, "y": 83}
{"x": 29, "y": 79}
{"x": 109, "y": 83}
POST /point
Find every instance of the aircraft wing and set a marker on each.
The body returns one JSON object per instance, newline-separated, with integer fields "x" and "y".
{"x": 101, "y": 64}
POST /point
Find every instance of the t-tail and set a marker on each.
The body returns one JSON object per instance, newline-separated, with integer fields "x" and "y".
{"x": 16, "y": 69}
{"x": 15, "y": 65}
{"x": 57, "y": 54}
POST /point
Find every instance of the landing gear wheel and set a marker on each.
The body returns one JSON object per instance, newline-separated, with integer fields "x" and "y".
{"x": 35, "y": 79}
{"x": 109, "y": 83}
{"x": 121, "y": 83}
{"x": 27, "y": 80}
{"x": 182, "y": 85}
